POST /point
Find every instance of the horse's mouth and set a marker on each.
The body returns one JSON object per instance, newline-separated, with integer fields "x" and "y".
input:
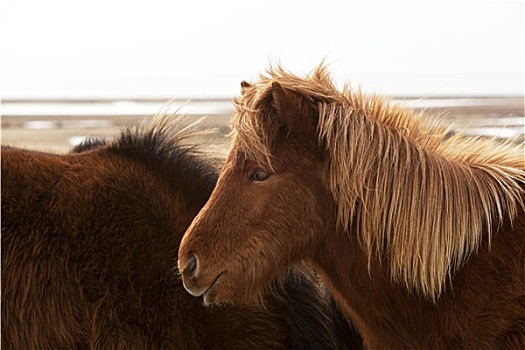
{"x": 210, "y": 295}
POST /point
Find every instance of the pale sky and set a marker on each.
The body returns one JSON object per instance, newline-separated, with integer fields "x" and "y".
{"x": 173, "y": 49}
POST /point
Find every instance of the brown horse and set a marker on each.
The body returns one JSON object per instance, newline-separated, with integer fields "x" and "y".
{"x": 419, "y": 235}
{"x": 89, "y": 244}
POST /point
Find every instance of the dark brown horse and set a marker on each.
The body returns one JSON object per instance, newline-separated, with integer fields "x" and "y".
{"x": 89, "y": 248}
{"x": 419, "y": 235}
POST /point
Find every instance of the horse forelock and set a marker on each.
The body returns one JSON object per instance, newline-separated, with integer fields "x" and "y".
{"x": 254, "y": 127}
{"x": 248, "y": 133}
{"x": 426, "y": 200}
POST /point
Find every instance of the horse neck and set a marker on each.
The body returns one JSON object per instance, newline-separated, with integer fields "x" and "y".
{"x": 424, "y": 202}
{"x": 361, "y": 293}
{"x": 386, "y": 314}
{"x": 390, "y": 315}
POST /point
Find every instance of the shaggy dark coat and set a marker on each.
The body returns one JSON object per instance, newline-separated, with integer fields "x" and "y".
{"x": 89, "y": 249}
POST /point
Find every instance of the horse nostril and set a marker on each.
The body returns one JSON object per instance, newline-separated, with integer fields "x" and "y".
{"x": 192, "y": 267}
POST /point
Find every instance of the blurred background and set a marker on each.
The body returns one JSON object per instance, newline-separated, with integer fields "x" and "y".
{"x": 71, "y": 69}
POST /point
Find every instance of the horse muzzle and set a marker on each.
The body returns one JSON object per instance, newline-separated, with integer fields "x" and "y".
{"x": 198, "y": 281}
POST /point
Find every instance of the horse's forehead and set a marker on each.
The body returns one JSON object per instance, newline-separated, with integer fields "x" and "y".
{"x": 240, "y": 159}
{"x": 237, "y": 159}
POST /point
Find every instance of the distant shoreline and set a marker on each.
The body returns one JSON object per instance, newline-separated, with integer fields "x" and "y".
{"x": 221, "y": 106}
{"x": 57, "y": 125}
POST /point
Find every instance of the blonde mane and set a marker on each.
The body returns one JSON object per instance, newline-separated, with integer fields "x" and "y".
{"x": 425, "y": 199}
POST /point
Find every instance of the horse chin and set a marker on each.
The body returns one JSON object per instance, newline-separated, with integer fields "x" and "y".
{"x": 221, "y": 292}
{"x": 212, "y": 295}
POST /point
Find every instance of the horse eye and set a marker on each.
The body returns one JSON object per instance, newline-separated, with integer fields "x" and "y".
{"x": 259, "y": 175}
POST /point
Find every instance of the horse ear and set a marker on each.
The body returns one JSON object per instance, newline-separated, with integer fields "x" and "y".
{"x": 279, "y": 98}
{"x": 286, "y": 112}
{"x": 294, "y": 110}
{"x": 245, "y": 85}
